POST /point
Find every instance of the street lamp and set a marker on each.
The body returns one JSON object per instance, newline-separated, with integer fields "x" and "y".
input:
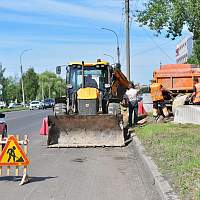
{"x": 23, "y": 94}
{"x": 110, "y": 57}
{"x": 118, "y": 51}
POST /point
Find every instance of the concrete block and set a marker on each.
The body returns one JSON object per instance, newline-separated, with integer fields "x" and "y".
{"x": 187, "y": 114}
{"x": 147, "y": 102}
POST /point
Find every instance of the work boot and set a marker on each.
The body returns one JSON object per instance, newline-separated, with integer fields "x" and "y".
{"x": 159, "y": 119}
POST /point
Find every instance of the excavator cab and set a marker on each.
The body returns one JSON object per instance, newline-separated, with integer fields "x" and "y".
{"x": 88, "y": 87}
{"x": 86, "y": 120}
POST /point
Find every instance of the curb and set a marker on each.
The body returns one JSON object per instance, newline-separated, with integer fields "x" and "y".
{"x": 162, "y": 186}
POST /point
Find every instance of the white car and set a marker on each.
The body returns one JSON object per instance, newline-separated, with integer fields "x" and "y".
{"x": 42, "y": 104}
{"x": 2, "y": 104}
{"x": 14, "y": 105}
{"x": 35, "y": 105}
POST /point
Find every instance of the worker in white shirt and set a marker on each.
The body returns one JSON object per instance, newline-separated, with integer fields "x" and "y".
{"x": 131, "y": 95}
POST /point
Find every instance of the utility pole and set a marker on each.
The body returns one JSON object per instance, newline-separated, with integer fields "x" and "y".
{"x": 49, "y": 89}
{"x": 22, "y": 84}
{"x": 42, "y": 90}
{"x": 60, "y": 87}
{"x": 1, "y": 81}
{"x": 127, "y": 39}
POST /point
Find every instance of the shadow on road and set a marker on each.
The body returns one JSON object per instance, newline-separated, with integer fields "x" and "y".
{"x": 32, "y": 178}
{"x": 37, "y": 178}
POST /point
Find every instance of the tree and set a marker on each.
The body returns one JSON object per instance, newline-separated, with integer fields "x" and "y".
{"x": 31, "y": 84}
{"x": 50, "y": 85}
{"x": 195, "y": 58}
{"x": 171, "y": 17}
{"x": 12, "y": 89}
{"x": 2, "y": 82}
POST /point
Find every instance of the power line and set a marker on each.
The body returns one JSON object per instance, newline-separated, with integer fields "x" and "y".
{"x": 158, "y": 45}
{"x": 141, "y": 52}
{"x": 127, "y": 28}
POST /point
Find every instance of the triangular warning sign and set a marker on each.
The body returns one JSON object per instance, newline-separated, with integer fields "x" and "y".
{"x": 12, "y": 154}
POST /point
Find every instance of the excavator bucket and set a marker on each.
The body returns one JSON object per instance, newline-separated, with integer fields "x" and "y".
{"x": 85, "y": 131}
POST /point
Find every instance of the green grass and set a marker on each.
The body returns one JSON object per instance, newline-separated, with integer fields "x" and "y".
{"x": 176, "y": 150}
{"x": 13, "y": 109}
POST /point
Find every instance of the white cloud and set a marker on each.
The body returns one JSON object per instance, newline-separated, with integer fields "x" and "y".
{"x": 13, "y": 41}
{"x": 52, "y": 7}
{"x": 62, "y": 44}
{"x": 111, "y": 4}
{"x": 5, "y": 17}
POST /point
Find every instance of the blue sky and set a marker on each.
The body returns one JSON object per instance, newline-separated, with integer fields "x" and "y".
{"x": 61, "y": 31}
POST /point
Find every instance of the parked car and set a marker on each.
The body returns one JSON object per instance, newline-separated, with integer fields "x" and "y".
{"x": 42, "y": 104}
{"x": 27, "y": 105}
{"x": 11, "y": 105}
{"x": 35, "y": 105}
{"x": 14, "y": 105}
{"x": 2, "y": 104}
{"x": 49, "y": 103}
{"x": 18, "y": 105}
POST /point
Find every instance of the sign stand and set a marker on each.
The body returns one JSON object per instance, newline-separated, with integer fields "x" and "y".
{"x": 25, "y": 178}
{"x": 13, "y": 155}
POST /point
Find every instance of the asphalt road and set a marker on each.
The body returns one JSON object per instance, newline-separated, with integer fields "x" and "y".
{"x": 74, "y": 173}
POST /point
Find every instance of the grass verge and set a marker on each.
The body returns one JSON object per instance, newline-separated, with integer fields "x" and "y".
{"x": 13, "y": 109}
{"x": 175, "y": 149}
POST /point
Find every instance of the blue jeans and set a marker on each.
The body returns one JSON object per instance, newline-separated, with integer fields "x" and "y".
{"x": 133, "y": 107}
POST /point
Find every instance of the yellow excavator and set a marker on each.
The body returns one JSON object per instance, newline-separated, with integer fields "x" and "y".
{"x": 89, "y": 115}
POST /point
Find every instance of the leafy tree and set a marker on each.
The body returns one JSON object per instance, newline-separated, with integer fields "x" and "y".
{"x": 36, "y": 86}
{"x": 12, "y": 89}
{"x": 31, "y": 84}
{"x": 195, "y": 58}
{"x": 2, "y": 82}
{"x": 50, "y": 85}
{"x": 170, "y": 17}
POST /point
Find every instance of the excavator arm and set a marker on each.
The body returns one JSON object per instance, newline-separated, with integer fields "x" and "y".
{"x": 119, "y": 84}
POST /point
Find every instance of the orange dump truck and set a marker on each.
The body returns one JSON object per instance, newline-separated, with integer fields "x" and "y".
{"x": 177, "y": 78}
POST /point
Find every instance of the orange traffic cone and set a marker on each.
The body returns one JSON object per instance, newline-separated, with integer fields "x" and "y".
{"x": 141, "y": 110}
{"x": 45, "y": 128}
